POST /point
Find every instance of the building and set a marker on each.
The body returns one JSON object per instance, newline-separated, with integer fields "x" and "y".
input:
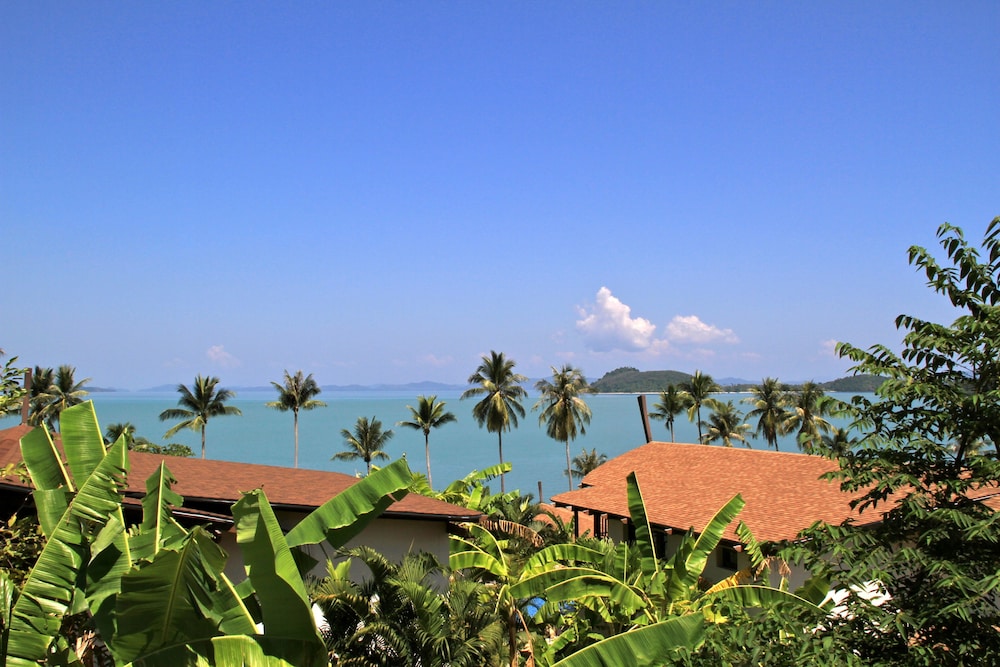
{"x": 210, "y": 488}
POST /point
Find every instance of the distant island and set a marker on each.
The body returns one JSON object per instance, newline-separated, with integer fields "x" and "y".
{"x": 628, "y": 380}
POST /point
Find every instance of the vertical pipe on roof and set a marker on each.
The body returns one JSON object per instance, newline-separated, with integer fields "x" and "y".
{"x": 26, "y": 401}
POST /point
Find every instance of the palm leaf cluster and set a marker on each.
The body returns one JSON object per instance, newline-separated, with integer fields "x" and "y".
{"x": 52, "y": 391}
{"x": 563, "y": 410}
{"x": 197, "y": 405}
{"x": 298, "y": 392}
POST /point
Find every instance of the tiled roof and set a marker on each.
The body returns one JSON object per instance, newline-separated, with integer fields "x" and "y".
{"x": 684, "y": 485}
{"x": 223, "y": 481}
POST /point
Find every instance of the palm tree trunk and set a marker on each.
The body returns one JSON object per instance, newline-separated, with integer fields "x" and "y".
{"x": 569, "y": 469}
{"x": 427, "y": 456}
{"x": 698, "y": 412}
{"x": 500, "y": 442}
{"x": 203, "y": 441}
{"x": 295, "y": 413}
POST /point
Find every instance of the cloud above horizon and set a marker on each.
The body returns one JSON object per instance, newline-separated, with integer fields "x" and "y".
{"x": 608, "y": 325}
{"x": 690, "y": 329}
{"x": 217, "y": 355}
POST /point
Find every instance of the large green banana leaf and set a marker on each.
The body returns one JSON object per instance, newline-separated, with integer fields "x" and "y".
{"x": 557, "y": 554}
{"x": 345, "y": 515}
{"x": 53, "y": 581}
{"x": 751, "y": 595}
{"x": 570, "y": 583}
{"x": 158, "y": 528}
{"x": 643, "y": 533}
{"x": 49, "y": 477}
{"x": 650, "y": 645}
{"x": 83, "y": 443}
{"x": 688, "y": 564}
{"x": 224, "y": 651}
{"x": 270, "y": 567}
{"x": 7, "y": 597}
{"x": 180, "y": 597}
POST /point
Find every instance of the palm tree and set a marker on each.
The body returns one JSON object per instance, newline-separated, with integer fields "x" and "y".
{"x": 564, "y": 412}
{"x": 60, "y": 393}
{"x": 42, "y": 381}
{"x": 809, "y": 406}
{"x": 197, "y": 406}
{"x": 672, "y": 402}
{"x": 366, "y": 443}
{"x": 586, "y": 462}
{"x": 428, "y": 414}
{"x": 500, "y": 388}
{"x": 698, "y": 391}
{"x": 726, "y": 424}
{"x": 298, "y": 393}
{"x": 769, "y": 402}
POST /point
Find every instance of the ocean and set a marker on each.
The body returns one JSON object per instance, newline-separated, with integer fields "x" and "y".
{"x": 264, "y": 435}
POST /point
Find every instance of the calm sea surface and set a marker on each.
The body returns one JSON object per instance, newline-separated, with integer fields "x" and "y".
{"x": 264, "y": 435}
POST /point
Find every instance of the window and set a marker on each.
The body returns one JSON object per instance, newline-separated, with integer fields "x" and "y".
{"x": 727, "y": 558}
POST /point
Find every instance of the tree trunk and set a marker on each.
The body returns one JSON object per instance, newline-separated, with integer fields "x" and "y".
{"x": 569, "y": 469}
{"x": 427, "y": 456}
{"x": 296, "y": 414}
{"x": 500, "y": 441}
{"x": 203, "y": 441}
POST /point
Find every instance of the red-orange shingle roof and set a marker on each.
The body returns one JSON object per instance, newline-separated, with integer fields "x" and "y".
{"x": 223, "y": 482}
{"x": 684, "y": 485}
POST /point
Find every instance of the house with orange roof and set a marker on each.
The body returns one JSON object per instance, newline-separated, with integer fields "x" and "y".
{"x": 210, "y": 488}
{"x": 684, "y": 485}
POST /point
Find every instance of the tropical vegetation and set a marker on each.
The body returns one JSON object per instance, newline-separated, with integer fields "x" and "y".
{"x": 197, "y": 405}
{"x": 501, "y": 392}
{"x": 586, "y": 462}
{"x": 563, "y": 410}
{"x": 298, "y": 392}
{"x": 365, "y": 443}
{"x": 725, "y": 424}
{"x": 430, "y": 413}
{"x": 672, "y": 402}
{"x": 698, "y": 391}
{"x": 770, "y": 408}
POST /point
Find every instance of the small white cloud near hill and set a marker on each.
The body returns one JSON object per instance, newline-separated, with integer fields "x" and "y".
{"x": 690, "y": 329}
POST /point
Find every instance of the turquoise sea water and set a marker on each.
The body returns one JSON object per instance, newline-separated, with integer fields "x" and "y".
{"x": 264, "y": 435}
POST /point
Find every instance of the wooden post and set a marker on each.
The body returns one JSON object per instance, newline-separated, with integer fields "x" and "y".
{"x": 26, "y": 401}
{"x": 644, "y": 413}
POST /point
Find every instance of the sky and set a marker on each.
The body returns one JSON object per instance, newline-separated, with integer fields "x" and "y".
{"x": 383, "y": 192}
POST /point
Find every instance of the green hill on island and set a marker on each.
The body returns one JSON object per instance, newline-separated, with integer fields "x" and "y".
{"x": 628, "y": 380}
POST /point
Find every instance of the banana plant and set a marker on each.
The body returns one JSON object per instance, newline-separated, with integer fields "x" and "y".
{"x": 658, "y": 603}
{"x": 157, "y": 592}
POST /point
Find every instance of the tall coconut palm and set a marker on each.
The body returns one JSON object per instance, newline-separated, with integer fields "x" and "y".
{"x": 501, "y": 390}
{"x": 725, "y": 424}
{"x": 365, "y": 443}
{"x": 62, "y": 392}
{"x": 198, "y": 405}
{"x": 672, "y": 402}
{"x": 769, "y": 401}
{"x": 586, "y": 462}
{"x": 809, "y": 407}
{"x": 428, "y": 414}
{"x": 698, "y": 391}
{"x": 563, "y": 411}
{"x": 297, "y": 393}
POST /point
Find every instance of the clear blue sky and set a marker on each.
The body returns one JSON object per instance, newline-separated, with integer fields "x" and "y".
{"x": 383, "y": 192}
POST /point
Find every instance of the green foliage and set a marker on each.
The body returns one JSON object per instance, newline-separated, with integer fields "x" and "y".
{"x": 725, "y": 424}
{"x": 366, "y": 443}
{"x": 697, "y": 391}
{"x": 198, "y": 405}
{"x": 628, "y": 380}
{"x": 11, "y": 388}
{"x": 21, "y": 542}
{"x": 398, "y": 615}
{"x": 298, "y": 392}
{"x": 672, "y": 402}
{"x": 157, "y": 593}
{"x": 563, "y": 410}
{"x": 586, "y": 462}
{"x": 928, "y": 454}
{"x": 500, "y": 388}
{"x": 429, "y": 414}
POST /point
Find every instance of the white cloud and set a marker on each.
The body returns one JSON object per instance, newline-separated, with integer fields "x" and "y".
{"x": 434, "y": 360}
{"x": 690, "y": 329}
{"x": 608, "y": 325}
{"x": 828, "y": 348}
{"x": 217, "y": 355}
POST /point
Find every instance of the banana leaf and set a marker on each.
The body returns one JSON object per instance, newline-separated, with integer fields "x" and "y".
{"x": 53, "y": 581}
{"x": 8, "y": 594}
{"x": 650, "y": 645}
{"x": 556, "y": 554}
{"x": 688, "y": 564}
{"x": 283, "y": 599}
{"x": 477, "y": 560}
{"x": 83, "y": 443}
{"x": 643, "y": 533}
{"x": 158, "y": 528}
{"x": 227, "y": 651}
{"x": 571, "y": 583}
{"x": 49, "y": 477}
{"x": 180, "y": 597}
{"x": 345, "y": 515}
